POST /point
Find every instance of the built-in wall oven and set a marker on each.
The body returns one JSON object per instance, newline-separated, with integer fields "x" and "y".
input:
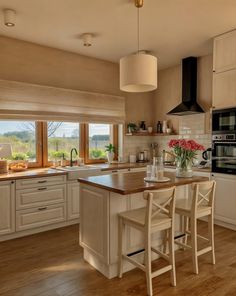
{"x": 224, "y": 153}
{"x": 224, "y": 141}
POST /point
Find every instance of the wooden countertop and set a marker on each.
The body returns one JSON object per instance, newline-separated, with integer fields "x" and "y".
{"x": 134, "y": 182}
{"x": 31, "y": 173}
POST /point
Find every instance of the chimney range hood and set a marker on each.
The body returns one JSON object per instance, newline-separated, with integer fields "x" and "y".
{"x": 189, "y": 103}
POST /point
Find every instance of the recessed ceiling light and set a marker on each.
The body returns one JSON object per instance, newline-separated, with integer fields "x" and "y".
{"x": 9, "y": 17}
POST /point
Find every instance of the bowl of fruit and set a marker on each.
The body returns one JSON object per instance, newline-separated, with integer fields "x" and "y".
{"x": 19, "y": 163}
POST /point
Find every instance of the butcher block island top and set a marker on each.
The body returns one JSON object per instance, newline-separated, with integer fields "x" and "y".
{"x": 128, "y": 183}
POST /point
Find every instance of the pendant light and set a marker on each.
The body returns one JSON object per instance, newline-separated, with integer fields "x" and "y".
{"x": 138, "y": 72}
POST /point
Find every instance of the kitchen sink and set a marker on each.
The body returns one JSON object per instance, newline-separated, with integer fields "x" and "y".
{"x": 76, "y": 172}
{"x": 77, "y": 168}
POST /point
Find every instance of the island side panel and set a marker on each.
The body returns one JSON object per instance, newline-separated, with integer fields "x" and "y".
{"x": 94, "y": 222}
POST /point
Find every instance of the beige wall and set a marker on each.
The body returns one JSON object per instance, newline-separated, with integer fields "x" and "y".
{"x": 168, "y": 94}
{"x": 32, "y": 63}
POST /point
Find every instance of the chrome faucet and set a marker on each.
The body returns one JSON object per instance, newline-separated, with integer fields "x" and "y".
{"x": 71, "y": 154}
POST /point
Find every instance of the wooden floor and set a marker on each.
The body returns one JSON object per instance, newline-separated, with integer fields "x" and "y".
{"x": 51, "y": 264}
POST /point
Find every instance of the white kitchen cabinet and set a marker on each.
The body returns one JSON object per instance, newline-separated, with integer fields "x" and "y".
{"x": 7, "y": 207}
{"x": 73, "y": 191}
{"x": 224, "y": 89}
{"x": 225, "y": 203}
{"x": 224, "y": 57}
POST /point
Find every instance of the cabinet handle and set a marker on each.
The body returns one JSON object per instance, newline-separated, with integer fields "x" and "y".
{"x": 12, "y": 182}
{"x": 42, "y": 181}
{"x": 42, "y": 188}
{"x": 114, "y": 171}
{"x": 42, "y": 209}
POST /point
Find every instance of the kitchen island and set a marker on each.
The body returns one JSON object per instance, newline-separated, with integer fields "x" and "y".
{"x": 101, "y": 199}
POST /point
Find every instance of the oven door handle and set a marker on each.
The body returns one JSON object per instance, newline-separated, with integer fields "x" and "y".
{"x": 225, "y": 142}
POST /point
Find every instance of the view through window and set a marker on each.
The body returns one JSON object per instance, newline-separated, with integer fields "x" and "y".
{"x": 22, "y": 137}
{"x": 99, "y": 137}
{"x": 62, "y": 137}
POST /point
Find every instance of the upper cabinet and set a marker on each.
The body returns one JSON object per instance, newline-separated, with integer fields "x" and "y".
{"x": 224, "y": 67}
{"x": 224, "y": 89}
{"x": 224, "y": 58}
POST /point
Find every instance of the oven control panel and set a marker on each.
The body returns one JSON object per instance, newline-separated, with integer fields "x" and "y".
{"x": 224, "y": 137}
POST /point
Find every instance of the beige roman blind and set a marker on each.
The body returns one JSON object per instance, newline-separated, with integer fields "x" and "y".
{"x": 19, "y": 100}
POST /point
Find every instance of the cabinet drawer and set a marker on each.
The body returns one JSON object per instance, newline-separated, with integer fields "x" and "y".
{"x": 32, "y": 218}
{"x": 35, "y": 182}
{"x": 40, "y": 196}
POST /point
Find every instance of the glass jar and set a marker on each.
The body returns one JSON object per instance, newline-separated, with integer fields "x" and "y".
{"x": 184, "y": 168}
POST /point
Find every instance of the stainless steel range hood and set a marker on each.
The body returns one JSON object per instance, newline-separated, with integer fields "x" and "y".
{"x": 189, "y": 103}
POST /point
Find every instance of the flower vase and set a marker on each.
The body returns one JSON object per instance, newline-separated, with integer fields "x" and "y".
{"x": 184, "y": 169}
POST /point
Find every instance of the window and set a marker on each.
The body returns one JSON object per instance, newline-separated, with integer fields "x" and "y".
{"x": 24, "y": 137}
{"x": 62, "y": 137}
{"x": 99, "y": 135}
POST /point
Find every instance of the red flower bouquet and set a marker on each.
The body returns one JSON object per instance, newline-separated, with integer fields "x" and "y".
{"x": 186, "y": 152}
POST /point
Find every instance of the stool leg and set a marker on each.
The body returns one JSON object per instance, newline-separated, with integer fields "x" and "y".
{"x": 186, "y": 227}
{"x": 148, "y": 264}
{"x": 172, "y": 256}
{"x": 165, "y": 241}
{"x": 121, "y": 227}
{"x": 211, "y": 236}
{"x": 193, "y": 227}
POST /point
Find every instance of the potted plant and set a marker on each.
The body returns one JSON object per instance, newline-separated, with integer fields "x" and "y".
{"x": 110, "y": 150}
{"x": 185, "y": 152}
{"x": 132, "y": 127}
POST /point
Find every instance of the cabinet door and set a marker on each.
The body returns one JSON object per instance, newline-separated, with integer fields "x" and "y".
{"x": 224, "y": 89}
{"x": 225, "y": 52}
{"x": 225, "y": 203}
{"x": 7, "y": 207}
{"x": 73, "y": 200}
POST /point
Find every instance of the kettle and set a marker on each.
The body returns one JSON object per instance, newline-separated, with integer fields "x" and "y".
{"x": 206, "y": 155}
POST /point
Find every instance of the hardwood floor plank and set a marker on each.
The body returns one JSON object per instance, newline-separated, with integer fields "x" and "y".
{"x": 51, "y": 264}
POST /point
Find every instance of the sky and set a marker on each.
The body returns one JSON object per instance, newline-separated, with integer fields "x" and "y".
{"x": 66, "y": 129}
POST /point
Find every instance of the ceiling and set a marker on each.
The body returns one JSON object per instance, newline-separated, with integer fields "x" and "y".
{"x": 171, "y": 29}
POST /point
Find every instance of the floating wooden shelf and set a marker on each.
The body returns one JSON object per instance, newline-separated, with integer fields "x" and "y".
{"x": 149, "y": 134}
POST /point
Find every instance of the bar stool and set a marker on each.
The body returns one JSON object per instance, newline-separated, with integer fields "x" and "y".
{"x": 202, "y": 205}
{"x": 156, "y": 216}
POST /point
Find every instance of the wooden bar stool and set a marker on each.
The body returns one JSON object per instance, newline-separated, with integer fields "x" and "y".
{"x": 202, "y": 205}
{"x": 156, "y": 216}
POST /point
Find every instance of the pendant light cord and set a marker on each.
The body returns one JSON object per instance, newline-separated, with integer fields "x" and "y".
{"x": 138, "y": 38}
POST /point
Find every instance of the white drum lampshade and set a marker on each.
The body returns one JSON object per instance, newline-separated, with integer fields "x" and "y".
{"x": 138, "y": 73}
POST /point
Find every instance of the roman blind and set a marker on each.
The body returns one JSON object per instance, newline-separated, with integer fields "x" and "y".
{"x": 20, "y": 100}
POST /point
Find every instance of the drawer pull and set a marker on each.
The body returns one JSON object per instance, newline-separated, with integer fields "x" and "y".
{"x": 42, "y": 188}
{"x": 42, "y": 181}
{"x": 42, "y": 209}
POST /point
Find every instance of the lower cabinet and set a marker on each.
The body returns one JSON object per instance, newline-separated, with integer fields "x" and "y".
{"x": 225, "y": 203}
{"x": 7, "y": 207}
{"x": 73, "y": 191}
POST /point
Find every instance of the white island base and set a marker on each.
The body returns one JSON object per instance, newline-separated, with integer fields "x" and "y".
{"x": 99, "y": 226}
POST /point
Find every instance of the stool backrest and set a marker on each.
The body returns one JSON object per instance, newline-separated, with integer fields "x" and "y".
{"x": 160, "y": 202}
{"x": 203, "y": 194}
